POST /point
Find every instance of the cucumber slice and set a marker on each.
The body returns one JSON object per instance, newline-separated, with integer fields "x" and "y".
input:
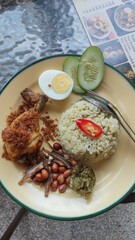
{"x": 91, "y": 68}
{"x": 70, "y": 66}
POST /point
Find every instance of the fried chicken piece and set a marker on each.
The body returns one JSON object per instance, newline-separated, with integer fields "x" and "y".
{"x": 30, "y": 100}
{"x": 22, "y": 136}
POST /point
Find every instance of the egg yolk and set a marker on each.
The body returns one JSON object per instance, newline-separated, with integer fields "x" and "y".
{"x": 61, "y": 83}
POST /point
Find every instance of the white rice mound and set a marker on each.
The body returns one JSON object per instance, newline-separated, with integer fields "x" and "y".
{"x": 81, "y": 146}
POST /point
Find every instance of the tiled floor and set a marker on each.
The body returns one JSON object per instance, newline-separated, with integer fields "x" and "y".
{"x": 116, "y": 224}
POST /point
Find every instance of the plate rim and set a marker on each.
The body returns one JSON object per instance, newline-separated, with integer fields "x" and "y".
{"x": 62, "y": 218}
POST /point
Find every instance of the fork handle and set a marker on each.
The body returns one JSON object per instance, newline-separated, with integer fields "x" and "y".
{"x": 123, "y": 122}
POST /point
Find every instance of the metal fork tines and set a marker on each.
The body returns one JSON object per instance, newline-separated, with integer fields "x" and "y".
{"x": 107, "y": 106}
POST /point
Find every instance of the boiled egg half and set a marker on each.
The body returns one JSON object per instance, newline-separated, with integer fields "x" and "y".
{"x": 55, "y": 84}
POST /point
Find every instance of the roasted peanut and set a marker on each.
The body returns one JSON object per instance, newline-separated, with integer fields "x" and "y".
{"x": 44, "y": 174}
{"x": 55, "y": 176}
{"x": 67, "y": 173}
{"x": 74, "y": 162}
{"x": 62, "y": 188}
{"x": 38, "y": 177}
{"x": 61, "y": 179}
{"x": 57, "y": 146}
{"x": 54, "y": 185}
{"x": 55, "y": 167}
{"x": 62, "y": 169}
{"x": 67, "y": 180}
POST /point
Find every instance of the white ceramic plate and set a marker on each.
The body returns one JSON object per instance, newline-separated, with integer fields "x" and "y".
{"x": 115, "y": 176}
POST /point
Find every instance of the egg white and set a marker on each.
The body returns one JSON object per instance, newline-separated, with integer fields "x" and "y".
{"x": 45, "y": 83}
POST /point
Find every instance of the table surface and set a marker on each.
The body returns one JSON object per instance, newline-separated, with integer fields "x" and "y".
{"x": 30, "y": 30}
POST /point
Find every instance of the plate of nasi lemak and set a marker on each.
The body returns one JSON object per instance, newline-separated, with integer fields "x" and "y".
{"x": 62, "y": 156}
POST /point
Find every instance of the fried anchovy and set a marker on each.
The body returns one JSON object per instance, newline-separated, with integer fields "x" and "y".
{"x": 59, "y": 162}
{"x": 63, "y": 153}
{"x": 30, "y": 172}
{"x": 43, "y": 158}
{"x": 60, "y": 158}
{"x": 48, "y": 184}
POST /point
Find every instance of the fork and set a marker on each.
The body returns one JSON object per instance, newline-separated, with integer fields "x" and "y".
{"x": 107, "y": 106}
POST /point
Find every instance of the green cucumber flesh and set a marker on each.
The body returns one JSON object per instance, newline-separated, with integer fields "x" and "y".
{"x": 70, "y": 66}
{"x": 91, "y": 68}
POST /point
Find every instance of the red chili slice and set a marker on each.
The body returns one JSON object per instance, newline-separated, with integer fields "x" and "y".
{"x": 88, "y": 127}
